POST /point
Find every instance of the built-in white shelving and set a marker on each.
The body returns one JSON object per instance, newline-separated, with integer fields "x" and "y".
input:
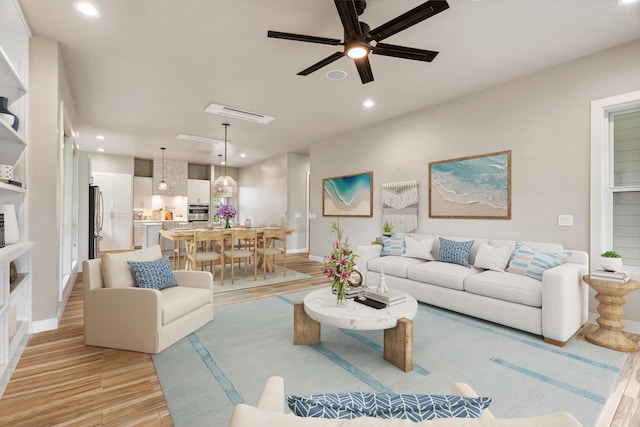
{"x": 15, "y": 296}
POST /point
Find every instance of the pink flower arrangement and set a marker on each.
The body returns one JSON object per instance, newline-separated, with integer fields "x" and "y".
{"x": 340, "y": 263}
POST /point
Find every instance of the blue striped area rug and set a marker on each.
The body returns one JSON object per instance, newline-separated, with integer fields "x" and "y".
{"x": 229, "y": 360}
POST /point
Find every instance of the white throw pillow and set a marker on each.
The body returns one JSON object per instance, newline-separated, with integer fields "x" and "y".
{"x": 491, "y": 258}
{"x": 420, "y": 249}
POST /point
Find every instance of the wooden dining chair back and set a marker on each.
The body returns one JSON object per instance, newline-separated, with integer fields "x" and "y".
{"x": 246, "y": 251}
{"x": 272, "y": 243}
{"x": 206, "y": 247}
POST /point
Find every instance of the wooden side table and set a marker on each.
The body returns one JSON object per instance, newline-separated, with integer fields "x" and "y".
{"x": 611, "y": 299}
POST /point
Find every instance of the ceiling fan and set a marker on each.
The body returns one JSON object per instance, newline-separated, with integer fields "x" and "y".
{"x": 360, "y": 40}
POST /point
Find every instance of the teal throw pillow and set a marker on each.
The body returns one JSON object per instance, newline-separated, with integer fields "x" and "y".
{"x": 153, "y": 274}
{"x": 414, "y": 407}
{"x": 527, "y": 262}
{"x": 454, "y": 252}
{"x": 392, "y": 246}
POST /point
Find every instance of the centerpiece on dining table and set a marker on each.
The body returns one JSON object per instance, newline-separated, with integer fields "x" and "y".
{"x": 339, "y": 265}
{"x": 226, "y": 212}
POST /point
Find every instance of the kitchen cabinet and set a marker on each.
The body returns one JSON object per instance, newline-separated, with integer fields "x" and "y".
{"x": 142, "y": 192}
{"x": 15, "y": 295}
{"x": 199, "y": 191}
{"x": 117, "y": 197}
{"x": 137, "y": 234}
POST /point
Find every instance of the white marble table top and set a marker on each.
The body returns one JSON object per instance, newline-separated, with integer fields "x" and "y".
{"x": 321, "y": 307}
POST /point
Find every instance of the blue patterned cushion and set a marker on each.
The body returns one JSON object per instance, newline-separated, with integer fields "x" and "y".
{"x": 414, "y": 407}
{"x": 454, "y": 252}
{"x": 527, "y": 262}
{"x": 153, "y": 274}
{"x": 392, "y": 246}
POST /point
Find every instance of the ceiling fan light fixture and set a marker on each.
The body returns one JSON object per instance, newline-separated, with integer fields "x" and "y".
{"x": 357, "y": 50}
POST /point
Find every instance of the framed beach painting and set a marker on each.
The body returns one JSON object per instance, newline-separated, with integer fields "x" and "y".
{"x": 349, "y": 195}
{"x": 471, "y": 187}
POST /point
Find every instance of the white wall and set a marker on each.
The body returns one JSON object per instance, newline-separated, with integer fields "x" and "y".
{"x": 108, "y": 163}
{"x": 543, "y": 119}
{"x": 297, "y": 170}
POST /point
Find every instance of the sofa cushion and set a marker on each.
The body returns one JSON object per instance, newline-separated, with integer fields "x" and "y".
{"x": 117, "y": 273}
{"x": 491, "y": 258}
{"x": 454, "y": 252}
{"x": 420, "y": 249}
{"x": 506, "y": 286}
{"x": 477, "y": 242}
{"x": 155, "y": 274}
{"x": 393, "y": 266}
{"x": 527, "y": 262}
{"x": 414, "y": 407}
{"x": 441, "y": 274}
{"x": 180, "y": 300}
{"x": 392, "y": 246}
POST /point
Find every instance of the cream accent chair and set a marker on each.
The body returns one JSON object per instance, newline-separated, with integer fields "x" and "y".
{"x": 117, "y": 314}
{"x": 267, "y": 248}
{"x": 270, "y": 413}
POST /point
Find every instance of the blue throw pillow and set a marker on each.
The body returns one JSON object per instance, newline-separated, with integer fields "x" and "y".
{"x": 392, "y": 246}
{"x": 153, "y": 274}
{"x": 454, "y": 252}
{"x": 527, "y": 262}
{"x": 414, "y": 407}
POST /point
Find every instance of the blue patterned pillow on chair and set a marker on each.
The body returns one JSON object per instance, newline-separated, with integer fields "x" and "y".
{"x": 414, "y": 407}
{"x": 454, "y": 252}
{"x": 153, "y": 274}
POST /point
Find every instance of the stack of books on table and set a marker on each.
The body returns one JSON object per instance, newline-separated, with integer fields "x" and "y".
{"x": 612, "y": 276}
{"x": 390, "y": 298}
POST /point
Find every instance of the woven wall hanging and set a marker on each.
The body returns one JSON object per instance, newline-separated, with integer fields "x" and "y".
{"x": 400, "y": 205}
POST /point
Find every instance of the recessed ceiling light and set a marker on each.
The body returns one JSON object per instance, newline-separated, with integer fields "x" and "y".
{"x": 100, "y": 137}
{"x": 101, "y": 149}
{"x": 336, "y": 75}
{"x": 86, "y": 8}
{"x": 243, "y": 155}
{"x": 368, "y": 103}
{"x": 622, "y": 2}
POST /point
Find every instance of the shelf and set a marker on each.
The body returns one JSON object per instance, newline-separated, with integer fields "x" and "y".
{"x": 19, "y": 281}
{"x": 10, "y": 83}
{"x": 12, "y": 145}
{"x": 13, "y": 251}
{"x": 14, "y": 188}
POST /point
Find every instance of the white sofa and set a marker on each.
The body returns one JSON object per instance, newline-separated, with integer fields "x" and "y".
{"x": 270, "y": 413}
{"x": 554, "y": 308}
{"x": 117, "y": 314}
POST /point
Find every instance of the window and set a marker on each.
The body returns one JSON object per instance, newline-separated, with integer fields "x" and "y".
{"x": 625, "y": 206}
{"x": 615, "y": 179}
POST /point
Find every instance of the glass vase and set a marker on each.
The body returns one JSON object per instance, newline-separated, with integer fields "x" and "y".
{"x": 227, "y": 224}
{"x": 341, "y": 294}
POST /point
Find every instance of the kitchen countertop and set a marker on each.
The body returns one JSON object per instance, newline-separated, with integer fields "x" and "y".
{"x": 160, "y": 220}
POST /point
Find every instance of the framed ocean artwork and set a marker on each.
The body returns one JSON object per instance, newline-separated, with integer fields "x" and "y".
{"x": 471, "y": 187}
{"x": 349, "y": 195}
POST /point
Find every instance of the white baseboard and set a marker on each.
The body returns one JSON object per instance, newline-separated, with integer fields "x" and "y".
{"x": 297, "y": 251}
{"x": 316, "y": 258}
{"x": 44, "y": 325}
{"x": 629, "y": 325}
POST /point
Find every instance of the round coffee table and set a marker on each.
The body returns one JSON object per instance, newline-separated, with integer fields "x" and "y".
{"x": 397, "y": 322}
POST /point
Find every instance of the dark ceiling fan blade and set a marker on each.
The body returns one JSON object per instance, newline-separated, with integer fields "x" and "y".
{"x": 364, "y": 69}
{"x": 303, "y": 38}
{"x": 349, "y": 17}
{"x": 406, "y": 20}
{"x": 404, "y": 52}
{"x": 326, "y": 61}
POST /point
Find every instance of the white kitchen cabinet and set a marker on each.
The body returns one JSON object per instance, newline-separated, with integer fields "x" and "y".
{"x": 137, "y": 234}
{"x": 117, "y": 194}
{"x": 142, "y": 192}
{"x": 15, "y": 298}
{"x": 199, "y": 191}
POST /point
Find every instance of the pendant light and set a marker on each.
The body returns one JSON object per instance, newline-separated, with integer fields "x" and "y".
{"x": 163, "y": 185}
{"x": 224, "y": 183}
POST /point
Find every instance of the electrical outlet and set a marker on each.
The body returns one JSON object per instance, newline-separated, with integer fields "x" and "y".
{"x": 565, "y": 220}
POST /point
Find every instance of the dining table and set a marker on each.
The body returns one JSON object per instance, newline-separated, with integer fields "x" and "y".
{"x": 179, "y": 234}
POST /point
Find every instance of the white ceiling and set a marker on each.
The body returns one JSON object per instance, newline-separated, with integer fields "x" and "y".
{"x": 144, "y": 71}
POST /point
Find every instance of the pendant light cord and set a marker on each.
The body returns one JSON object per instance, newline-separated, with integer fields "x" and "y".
{"x": 226, "y": 126}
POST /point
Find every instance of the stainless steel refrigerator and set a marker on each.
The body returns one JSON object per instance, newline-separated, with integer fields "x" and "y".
{"x": 96, "y": 219}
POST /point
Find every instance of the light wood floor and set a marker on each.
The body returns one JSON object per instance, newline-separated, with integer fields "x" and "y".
{"x": 61, "y": 382}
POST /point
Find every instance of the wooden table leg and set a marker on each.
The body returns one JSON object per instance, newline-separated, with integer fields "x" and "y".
{"x": 305, "y": 329}
{"x": 398, "y": 345}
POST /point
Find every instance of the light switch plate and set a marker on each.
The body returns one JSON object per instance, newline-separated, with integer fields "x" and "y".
{"x": 565, "y": 220}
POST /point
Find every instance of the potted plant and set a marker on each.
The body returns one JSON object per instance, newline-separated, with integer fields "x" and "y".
{"x": 387, "y": 228}
{"x": 611, "y": 261}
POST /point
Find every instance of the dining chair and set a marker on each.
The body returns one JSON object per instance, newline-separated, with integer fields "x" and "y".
{"x": 247, "y": 251}
{"x": 268, "y": 249}
{"x": 206, "y": 247}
